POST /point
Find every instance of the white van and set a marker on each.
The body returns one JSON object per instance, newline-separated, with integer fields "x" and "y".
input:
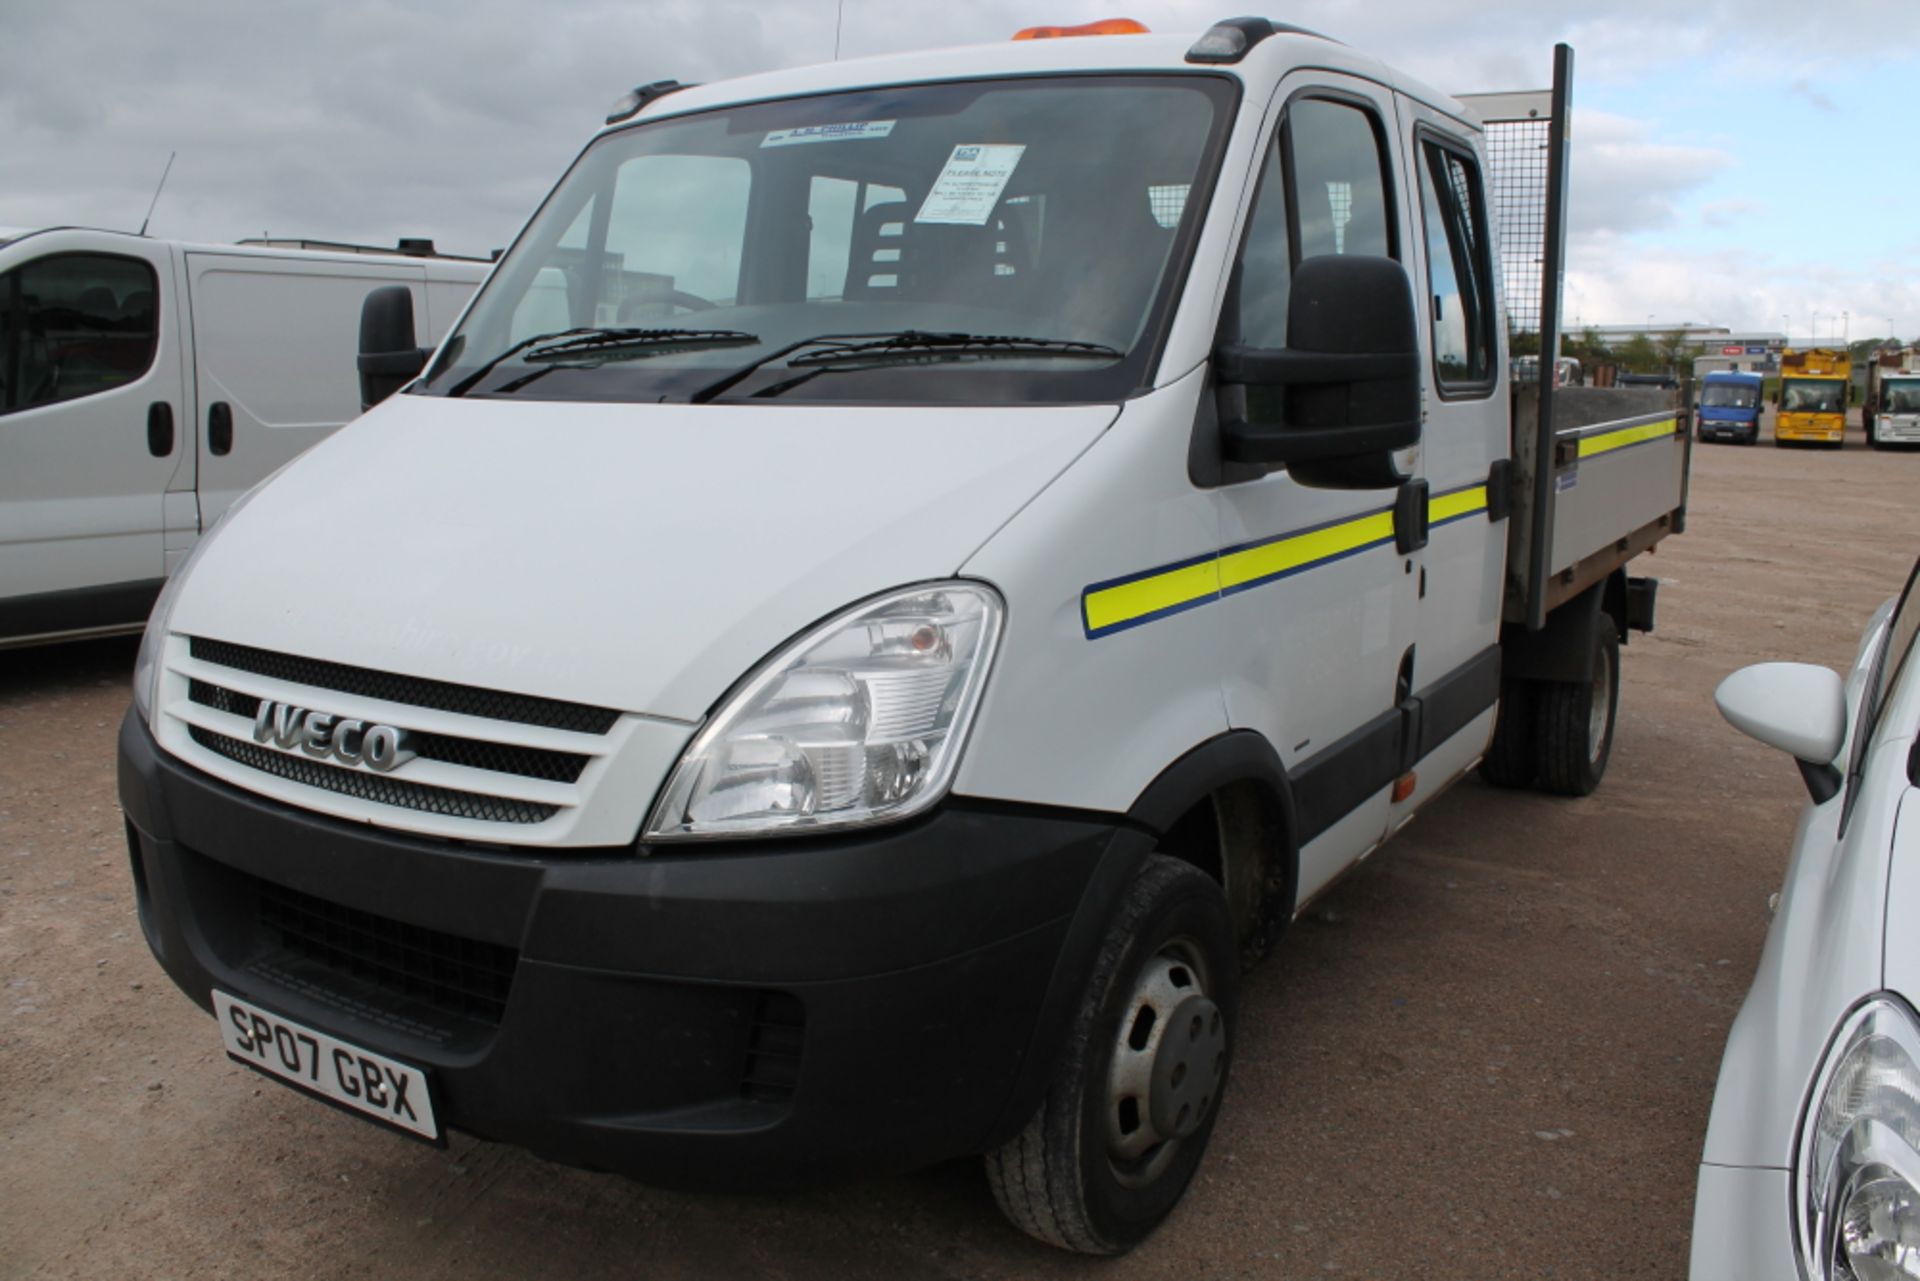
{"x": 144, "y": 383}
{"x": 906, "y": 576}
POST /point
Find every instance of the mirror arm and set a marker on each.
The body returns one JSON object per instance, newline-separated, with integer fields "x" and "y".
{"x": 1280, "y": 366}
{"x": 1823, "y": 781}
{"x": 1245, "y": 442}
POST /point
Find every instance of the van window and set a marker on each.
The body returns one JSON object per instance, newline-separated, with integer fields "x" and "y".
{"x": 1266, "y": 261}
{"x": 1459, "y": 278}
{"x": 1051, "y": 211}
{"x": 75, "y": 325}
{"x": 1339, "y": 191}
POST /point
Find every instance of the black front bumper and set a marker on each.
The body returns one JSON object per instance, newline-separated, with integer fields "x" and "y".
{"x": 748, "y": 1015}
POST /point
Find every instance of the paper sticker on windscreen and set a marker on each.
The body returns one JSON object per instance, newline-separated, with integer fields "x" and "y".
{"x": 844, "y": 132}
{"x": 969, "y": 188}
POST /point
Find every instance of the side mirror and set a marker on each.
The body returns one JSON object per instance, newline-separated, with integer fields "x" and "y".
{"x": 1344, "y": 394}
{"x": 389, "y": 356}
{"x": 1797, "y": 707}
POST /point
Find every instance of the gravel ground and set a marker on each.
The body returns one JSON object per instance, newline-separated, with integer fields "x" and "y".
{"x": 1488, "y": 1053}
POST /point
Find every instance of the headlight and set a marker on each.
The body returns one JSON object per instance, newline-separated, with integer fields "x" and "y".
{"x": 1857, "y": 1176}
{"x": 861, "y": 720}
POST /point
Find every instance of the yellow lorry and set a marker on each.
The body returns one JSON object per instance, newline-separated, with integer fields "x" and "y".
{"x": 1813, "y": 396}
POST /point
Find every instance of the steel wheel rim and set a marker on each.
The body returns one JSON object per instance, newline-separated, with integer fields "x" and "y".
{"x": 1165, "y": 1072}
{"x": 1598, "y": 713}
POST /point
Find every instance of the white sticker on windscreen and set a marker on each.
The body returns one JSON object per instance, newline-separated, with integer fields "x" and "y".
{"x": 969, "y": 187}
{"x": 828, "y": 133}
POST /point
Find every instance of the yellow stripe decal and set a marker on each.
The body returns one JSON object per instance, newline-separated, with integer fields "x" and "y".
{"x": 1442, "y": 508}
{"x": 1120, "y": 603}
{"x": 1607, "y": 441}
{"x": 1153, "y": 595}
{"x": 1244, "y": 567}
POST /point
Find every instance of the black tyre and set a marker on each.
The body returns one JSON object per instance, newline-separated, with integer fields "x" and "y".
{"x": 1573, "y": 721}
{"x": 1132, "y": 1103}
{"x": 1511, "y": 760}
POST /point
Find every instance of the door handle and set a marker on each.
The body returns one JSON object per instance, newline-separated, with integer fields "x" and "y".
{"x": 220, "y": 428}
{"x": 159, "y": 429}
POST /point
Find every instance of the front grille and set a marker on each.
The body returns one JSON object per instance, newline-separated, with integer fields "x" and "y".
{"x": 418, "y": 977}
{"x": 773, "y": 1048}
{"x": 501, "y": 758}
{"x": 442, "y": 696}
{"x": 378, "y": 788}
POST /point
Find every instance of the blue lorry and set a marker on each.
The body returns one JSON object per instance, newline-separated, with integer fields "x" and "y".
{"x": 1729, "y": 407}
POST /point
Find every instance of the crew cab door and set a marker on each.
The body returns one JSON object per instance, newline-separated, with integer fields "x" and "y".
{"x": 1466, "y": 430}
{"x": 1319, "y": 606}
{"x": 91, "y": 430}
{"x": 275, "y": 349}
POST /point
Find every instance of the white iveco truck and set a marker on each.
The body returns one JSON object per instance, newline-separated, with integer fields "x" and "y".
{"x": 906, "y": 577}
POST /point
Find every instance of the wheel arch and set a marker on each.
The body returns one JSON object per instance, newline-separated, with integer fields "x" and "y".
{"x": 1240, "y": 765}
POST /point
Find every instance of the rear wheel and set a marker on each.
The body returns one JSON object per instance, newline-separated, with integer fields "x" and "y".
{"x": 1573, "y": 722}
{"x": 1125, "y": 1120}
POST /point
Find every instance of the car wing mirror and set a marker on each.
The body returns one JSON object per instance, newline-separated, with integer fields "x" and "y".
{"x": 1797, "y": 707}
{"x": 389, "y": 357}
{"x": 1344, "y": 394}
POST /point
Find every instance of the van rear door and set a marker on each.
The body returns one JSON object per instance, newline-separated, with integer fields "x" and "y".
{"x": 91, "y": 429}
{"x": 275, "y": 342}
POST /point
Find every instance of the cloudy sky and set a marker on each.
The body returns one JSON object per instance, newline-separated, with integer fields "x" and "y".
{"x": 1747, "y": 164}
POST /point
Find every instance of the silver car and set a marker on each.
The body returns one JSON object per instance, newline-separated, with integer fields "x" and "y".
{"x": 1812, "y": 1162}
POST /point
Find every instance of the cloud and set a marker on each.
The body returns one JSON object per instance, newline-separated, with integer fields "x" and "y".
{"x": 365, "y": 120}
{"x": 1624, "y": 180}
{"x": 1803, "y": 88}
{"x": 1731, "y": 213}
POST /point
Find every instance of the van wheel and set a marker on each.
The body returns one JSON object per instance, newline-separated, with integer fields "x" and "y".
{"x": 1574, "y": 719}
{"x": 1133, "y": 1099}
{"x": 1511, "y": 760}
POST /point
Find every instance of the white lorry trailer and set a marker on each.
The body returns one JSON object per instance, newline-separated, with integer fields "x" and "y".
{"x": 908, "y": 575}
{"x": 145, "y": 383}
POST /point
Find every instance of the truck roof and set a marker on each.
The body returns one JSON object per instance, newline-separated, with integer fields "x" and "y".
{"x": 1731, "y": 376}
{"x": 1263, "y": 64}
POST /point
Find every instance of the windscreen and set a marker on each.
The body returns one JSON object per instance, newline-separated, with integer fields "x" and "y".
{"x": 1730, "y": 396}
{"x": 1812, "y": 396}
{"x": 1053, "y": 211}
{"x": 1900, "y": 396}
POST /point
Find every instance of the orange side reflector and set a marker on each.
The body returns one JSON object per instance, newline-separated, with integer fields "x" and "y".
{"x": 1104, "y": 27}
{"x": 1403, "y": 787}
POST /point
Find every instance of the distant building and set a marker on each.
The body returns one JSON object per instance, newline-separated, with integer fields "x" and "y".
{"x": 1715, "y": 347}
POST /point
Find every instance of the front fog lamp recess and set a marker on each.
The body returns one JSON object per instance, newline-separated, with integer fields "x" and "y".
{"x": 1857, "y": 1175}
{"x": 860, "y": 721}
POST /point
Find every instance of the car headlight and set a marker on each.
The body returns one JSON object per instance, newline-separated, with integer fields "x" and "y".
{"x": 861, "y": 720}
{"x": 1857, "y": 1175}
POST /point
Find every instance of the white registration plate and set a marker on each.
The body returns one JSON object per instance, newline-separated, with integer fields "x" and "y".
{"x": 360, "y": 1080}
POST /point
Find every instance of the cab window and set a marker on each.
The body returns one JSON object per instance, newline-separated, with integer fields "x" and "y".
{"x": 1459, "y": 278}
{"x": 74, "y": 325}
{"x": 1321, "y": 191}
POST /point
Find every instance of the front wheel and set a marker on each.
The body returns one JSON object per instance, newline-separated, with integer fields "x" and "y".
{"x": 1574, "y": 719}
{"x": 1127, "y": 1116}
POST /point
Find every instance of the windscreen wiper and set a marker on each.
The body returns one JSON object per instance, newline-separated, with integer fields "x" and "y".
{"x": 562, "y": 343}
{"x": 835, "y": 352}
